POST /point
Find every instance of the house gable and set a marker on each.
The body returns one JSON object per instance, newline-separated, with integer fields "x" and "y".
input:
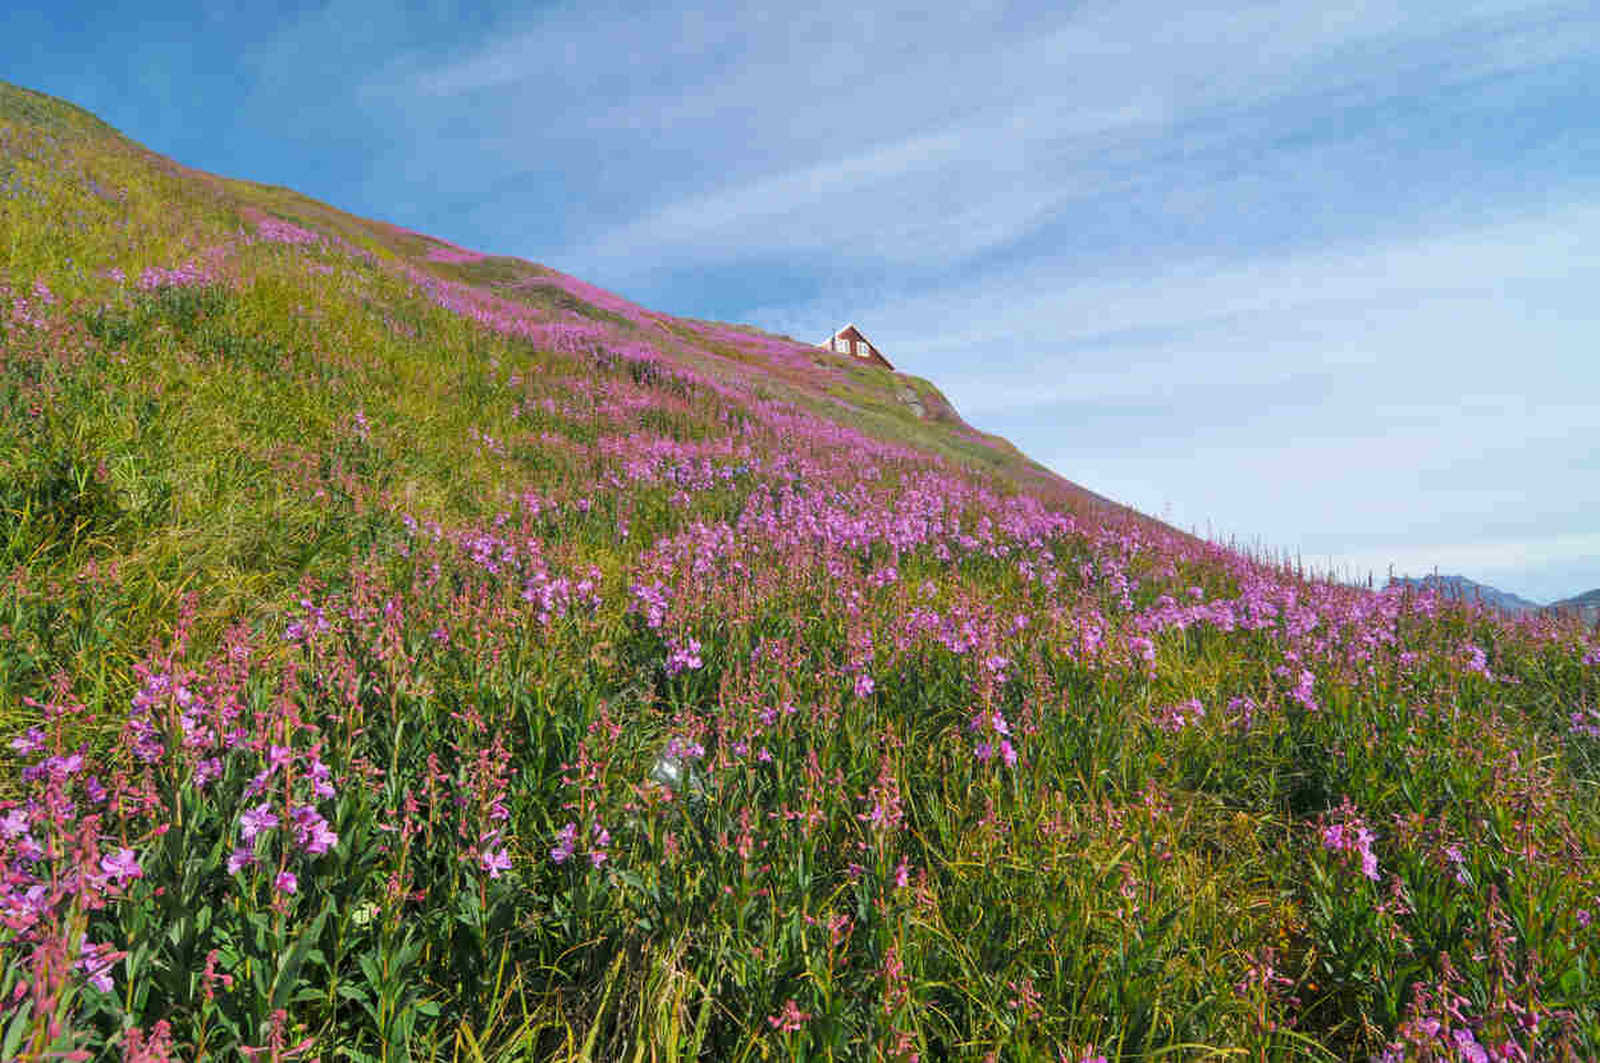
{"x": 850, "y": 340}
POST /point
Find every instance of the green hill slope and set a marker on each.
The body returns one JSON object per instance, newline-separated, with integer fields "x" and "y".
{"x": 411, "y": 653}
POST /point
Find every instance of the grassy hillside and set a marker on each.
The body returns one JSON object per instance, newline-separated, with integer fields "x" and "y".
{"x": 412, "y": 654}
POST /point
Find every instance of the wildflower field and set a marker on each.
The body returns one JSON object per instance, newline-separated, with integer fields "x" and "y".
{"x": 411, "y": 654}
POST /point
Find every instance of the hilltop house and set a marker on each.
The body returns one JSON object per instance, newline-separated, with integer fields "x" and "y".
{"x": 849, "y": 340}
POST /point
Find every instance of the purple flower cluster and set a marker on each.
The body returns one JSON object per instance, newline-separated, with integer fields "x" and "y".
{"x": 453, "y": 256}
{"x": 278, "y": 231}
{"x": 1173, "y": 718}
{"x": 291, "y": 783}
{"x": 567, "y": 841}
{"x": 1349, "y": 837}
{"x": 993, "y": 737}
{"x": 55, "y": 859}
{"x": 683, "y": 656}
{"x": 188, "y": 275}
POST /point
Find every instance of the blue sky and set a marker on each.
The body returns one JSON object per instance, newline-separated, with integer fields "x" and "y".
{"x": 1320, "y": 278}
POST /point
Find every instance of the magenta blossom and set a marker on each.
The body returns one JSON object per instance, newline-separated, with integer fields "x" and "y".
{"x": 14, "y": 824}
{"x": 789, "y": 1019}
{"x": 495, "y": 861}
{"x": 683, "y": 658}
{"x": 312, "y": 831}
{"x": 566, "y": 838}
{"x": 122, "y": 866}
{"x": 29, "y": 742}
{"x": 255, "y": 820}
{"x": 1352, "y": 837}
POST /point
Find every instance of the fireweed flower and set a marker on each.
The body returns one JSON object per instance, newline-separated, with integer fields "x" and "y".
{"x": 241, "y": 858}
{"x": 885, "y": 811}
{"x": 1473, "y": 659}
{"x": 96, "y": 961}
{"x": 207, "y": 771}
{"x": 28, "y": 742}
{"x": 651, "y": 601}
{"x": 1145, "y": 650}
{"x": 321, "y": 779}
{"x": 286, "y": 882}
{"x": 1586, "y": 722}
{"x": 1303, "y": 691}
{"x": 255, "y": 820}
{"x": 1350, "y": 837}
{"x": 312, "y": 831}
{"x": 566, "y": 838}
{"x": 14, "y": 824}
{"x": 1468, "y": 1047}
{"x": 1244, "y": 711}
{"x": 258, "y": 784}
{"x": 990, "y": 726}
{"x": 1369, "y": 862}
{"x": 122, "y": 866}
{"x": 495, "y": 861}
{"x": 1173, "y": 718}
{"x": 789, "y": 1018}
{"x": 684, "y": 657}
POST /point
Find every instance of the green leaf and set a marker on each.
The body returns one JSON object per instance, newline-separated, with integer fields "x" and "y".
{"x": 16, "y": 1030}
{"x": 289, "y": 966}
{"x": 351, "y": 991}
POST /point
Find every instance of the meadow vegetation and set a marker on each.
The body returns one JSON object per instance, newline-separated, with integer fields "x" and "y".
{"x": 407, "y": 654}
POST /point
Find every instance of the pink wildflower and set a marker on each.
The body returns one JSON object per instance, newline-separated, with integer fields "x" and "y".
{"x": 495, "y": 861}
{"x": 122, "y": 866}
{"x": 566, "y": 838}
{"x": 255, "y": 820}
{"x": 789, "y": 1018}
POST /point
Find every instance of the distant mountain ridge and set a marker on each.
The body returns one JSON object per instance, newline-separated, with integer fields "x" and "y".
{"x": 1469, "y": 590}
{"x": 1586, "y": 604}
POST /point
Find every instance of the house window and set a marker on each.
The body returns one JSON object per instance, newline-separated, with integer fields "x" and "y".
{"x": 842, "y": 346}
{"x": 863, "y": 348}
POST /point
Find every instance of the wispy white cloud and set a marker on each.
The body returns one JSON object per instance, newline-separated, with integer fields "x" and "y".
{"x": 907, "y": 199}
{"x": 1305, "y": 308}
{"x": 1085, "y": 102}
